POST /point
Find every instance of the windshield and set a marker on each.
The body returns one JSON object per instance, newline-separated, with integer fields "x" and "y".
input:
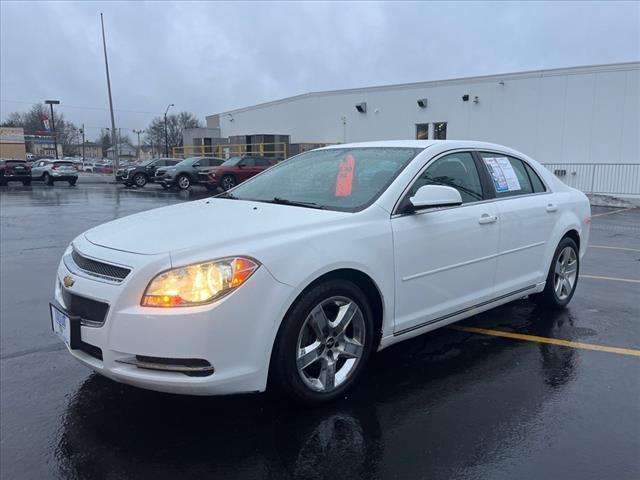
{"x": 188, "y": 161}
{"x": 232, "y": 162}
{"x": 335, "y": 179}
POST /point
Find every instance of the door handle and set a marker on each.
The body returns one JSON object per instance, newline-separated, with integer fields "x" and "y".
{"x": 551, "y": 207}
{"x": 486, "y": 218}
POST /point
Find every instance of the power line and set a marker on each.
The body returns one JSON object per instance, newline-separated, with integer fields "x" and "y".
{"x": 79, "y": 107}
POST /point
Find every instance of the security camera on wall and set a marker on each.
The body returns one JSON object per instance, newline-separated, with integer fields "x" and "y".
{"x": 422, "y": 103}
{"x": 361, "y": 107}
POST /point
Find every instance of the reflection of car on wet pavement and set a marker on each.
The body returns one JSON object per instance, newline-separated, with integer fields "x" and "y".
{"x": 313, "y": 246}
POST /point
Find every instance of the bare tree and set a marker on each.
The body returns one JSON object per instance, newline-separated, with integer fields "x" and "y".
{"x": 175, "y": 124}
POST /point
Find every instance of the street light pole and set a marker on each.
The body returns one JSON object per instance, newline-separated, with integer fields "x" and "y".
{"x": 116, "y": 161}
{"x": 51, "y": 103}
{"x": 166, "y": 137}
{"x": 138, "y": 132}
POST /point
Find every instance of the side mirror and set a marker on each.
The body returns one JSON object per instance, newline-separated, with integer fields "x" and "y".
{"x": 196, "y": 165}
{"x": 429, "y": 196}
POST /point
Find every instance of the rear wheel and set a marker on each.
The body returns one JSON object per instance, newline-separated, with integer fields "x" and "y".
{"x": 324, "y": 343}
{"x": 46, "y": 178}
{"x": 562, "y": 278}
{"x": 72, "y": 182}
{"x": 140, "y": 179}
{"x": 228, "y": 182}
{"x": 183, "y": 181}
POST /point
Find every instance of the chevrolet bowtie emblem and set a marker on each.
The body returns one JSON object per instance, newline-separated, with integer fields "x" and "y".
{"x": 68, "y": 281}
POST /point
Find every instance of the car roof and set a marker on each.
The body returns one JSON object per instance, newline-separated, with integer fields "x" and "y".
{"x": 422, "y": 144}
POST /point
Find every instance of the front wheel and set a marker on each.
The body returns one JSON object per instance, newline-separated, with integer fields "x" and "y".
{"x": 140, "y": 179}
{"x": 184, "y": 182}
{"x": 562, "y": 278}
{"x": 228, "y": 182}
{"x": 47, "y": 179}
{"x": 325, "y": 342}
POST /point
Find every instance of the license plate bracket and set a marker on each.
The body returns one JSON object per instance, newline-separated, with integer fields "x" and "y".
{"x": 65, "y": 326}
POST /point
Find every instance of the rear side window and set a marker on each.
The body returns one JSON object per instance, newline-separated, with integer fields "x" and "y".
{"x": 247, "y": 162}
{"x": 537, "y": 184}
{"x": 262, "y": 162}
{"x": 508, "y": 174}
{"x": 457, "y": 170}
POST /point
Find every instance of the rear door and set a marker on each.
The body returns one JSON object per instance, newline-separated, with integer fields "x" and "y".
{"x": 527, "y": 215}
{"x": 445, "y": 258}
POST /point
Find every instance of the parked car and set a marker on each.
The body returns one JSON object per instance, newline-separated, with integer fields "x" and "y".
{"x": 185, "y": 173}
{"x": 236, "y": 170}
{"x": 14, "y": 171}
{"x": 50, "y": 171}
{"x": 300, "y": 274}
{"x": 145, "y": 172}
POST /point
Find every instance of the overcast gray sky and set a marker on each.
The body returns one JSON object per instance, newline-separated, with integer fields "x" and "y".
{"x": 209, "y": 57}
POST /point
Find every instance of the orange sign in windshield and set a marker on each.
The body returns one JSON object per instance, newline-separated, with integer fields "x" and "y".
{"x": 344, "y": 180}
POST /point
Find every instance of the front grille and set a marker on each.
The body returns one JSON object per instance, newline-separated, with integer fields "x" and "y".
{"x": 99, "y": 269}
{"x": 91, "y": 312}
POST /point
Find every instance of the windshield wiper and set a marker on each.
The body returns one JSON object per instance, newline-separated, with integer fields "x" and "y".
{"x": 284, "y": 201}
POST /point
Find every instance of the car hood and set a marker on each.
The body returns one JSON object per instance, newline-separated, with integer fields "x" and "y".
{"x": 205, "y": 223}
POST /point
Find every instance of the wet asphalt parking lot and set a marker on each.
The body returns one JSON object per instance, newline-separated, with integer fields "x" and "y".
{"x": 449, "y": 404}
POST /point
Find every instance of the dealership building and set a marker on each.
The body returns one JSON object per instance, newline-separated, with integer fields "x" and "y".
{"x": 582, "y": 116}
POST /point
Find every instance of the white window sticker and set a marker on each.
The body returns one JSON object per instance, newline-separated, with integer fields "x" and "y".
{"x": 504, "y": 177}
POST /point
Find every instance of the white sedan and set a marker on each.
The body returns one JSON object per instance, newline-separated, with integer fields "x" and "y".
{"x": 297, "y": 276}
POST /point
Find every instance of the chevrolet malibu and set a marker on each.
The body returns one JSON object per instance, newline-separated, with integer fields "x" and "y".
{"x": 297, "y": 276}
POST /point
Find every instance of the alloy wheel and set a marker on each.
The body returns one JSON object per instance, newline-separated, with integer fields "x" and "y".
{"x": 228, "y": 183}
{"x": 183, "y": 182}
{"x": 330, "y": 343}
{"x": 566, "y": 273}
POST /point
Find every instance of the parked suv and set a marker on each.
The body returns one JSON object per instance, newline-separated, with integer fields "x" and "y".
{"x": 50, "y": 171}
{"x": 236, "y": 170}
{"x": 14, "y": 171}
{"x": 140, "y": 175}
{"x": 186, "y": 173}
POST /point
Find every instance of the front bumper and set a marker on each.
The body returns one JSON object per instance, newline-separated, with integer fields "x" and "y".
{"x": 233, "y": 335}
{"x": 15, "y": 177}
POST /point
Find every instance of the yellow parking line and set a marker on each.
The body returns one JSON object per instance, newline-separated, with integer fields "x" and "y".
{"x": 627, "y": 249}
{"x": 550, "y": 341}
{"x": 615, "y": 279}
{"x": 610, "y": 213}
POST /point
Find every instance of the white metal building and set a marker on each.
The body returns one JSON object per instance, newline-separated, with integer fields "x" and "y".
{"x": 579, "y": 115}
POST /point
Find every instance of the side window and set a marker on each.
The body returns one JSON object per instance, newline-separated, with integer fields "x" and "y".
{"x": 537, "y": 184}
{"x": 509, "y": 175}
{"x": 457, "y": 170}
{"x": 247, "y": 162}
{"x": 262, "y": 162}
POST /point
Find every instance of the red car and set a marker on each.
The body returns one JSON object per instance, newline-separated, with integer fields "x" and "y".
{"x": 15, "y": 171}
{"x": 236, "y": 170}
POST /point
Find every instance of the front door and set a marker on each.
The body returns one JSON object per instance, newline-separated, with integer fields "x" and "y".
{"x": 445, "y": 259}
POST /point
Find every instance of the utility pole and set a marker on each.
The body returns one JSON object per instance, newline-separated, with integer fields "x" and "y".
{"x": 51, "y": 103}
{"x": 138, "y": 132}
{"x": 166, "y": 137}
{"x": 82, "y": 132}
{"x": 113, "y": 121}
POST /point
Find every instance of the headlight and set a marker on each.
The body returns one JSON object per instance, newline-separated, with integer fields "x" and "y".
{"x": 198, "y": 284}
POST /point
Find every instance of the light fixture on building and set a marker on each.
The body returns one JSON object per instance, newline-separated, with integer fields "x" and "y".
{"x": 361, "y": 107}
{"x": 465, "y": 97}
{"x": 231, "y": 119}
{"x": 422, "y": 102}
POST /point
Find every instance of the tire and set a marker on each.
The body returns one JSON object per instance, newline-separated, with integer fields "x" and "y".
{"x": 562, "y": 278}
{"x": 140, "y": 180}
{"x": 26, "y": 183}
{"x": 46, "y": 178}
{"x": 72, "y": 182}
{"x": 314, "y": 383}
{"x": 228, "y": 182}
{"x": 183, "y": 181}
